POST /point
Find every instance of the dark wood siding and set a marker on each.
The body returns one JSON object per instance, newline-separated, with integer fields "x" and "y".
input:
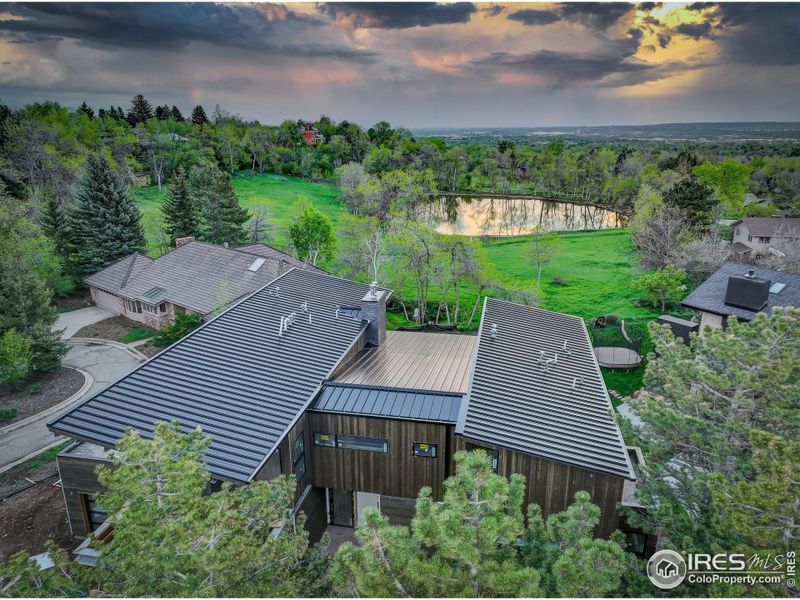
{"x": 314, "y": 507}
{"x": 394, "y": 473}
{"x": 77, "y": 477}
{"x": 553, "y": 485}
{"x": 398, "y": 510}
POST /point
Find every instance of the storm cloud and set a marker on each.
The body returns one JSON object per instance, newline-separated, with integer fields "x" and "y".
{"x": 396, "y": 15}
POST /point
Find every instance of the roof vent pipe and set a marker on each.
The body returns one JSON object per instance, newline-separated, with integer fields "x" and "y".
{"x": 750, "y": 273}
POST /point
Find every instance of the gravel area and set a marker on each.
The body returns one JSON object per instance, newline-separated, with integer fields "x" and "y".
{"x": 55, "y": 387}
{"x": 149, "y": 350}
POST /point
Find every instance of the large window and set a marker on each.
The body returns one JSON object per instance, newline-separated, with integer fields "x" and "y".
{"x": 422, "y": 450}
{"x": 362, "y": 443}
{"x": 493, "y": 453}
{"x": 299, "y": 457}
{"x": 133, "y": 306}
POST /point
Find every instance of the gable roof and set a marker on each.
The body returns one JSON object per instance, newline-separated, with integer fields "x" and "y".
{"x": 709, "y": 296}
{"x": 560, "y": 413}
{"x": 192, "y": 275}
{"x": 234, "y": 377}
{"x": 771, "y": 226}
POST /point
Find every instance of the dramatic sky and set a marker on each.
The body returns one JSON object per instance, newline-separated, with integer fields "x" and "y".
{"x": 415, "y": 64}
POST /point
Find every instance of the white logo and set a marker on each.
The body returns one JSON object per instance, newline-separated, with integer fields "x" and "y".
{"x": 666, "y": 569}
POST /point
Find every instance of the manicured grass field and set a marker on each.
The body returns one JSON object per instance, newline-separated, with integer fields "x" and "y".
{"x": 598, "y": 267}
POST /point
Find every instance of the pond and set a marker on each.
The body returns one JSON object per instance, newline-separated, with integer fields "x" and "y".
{"x": 515, "y": 216}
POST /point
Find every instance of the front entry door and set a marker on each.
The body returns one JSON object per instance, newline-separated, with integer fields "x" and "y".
{"x": 342, "y": 508}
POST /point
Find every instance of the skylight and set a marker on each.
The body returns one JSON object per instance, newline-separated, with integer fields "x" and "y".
{"x": 153, "y": 293}
{"x": 776, "y": 288}
{"x": 256, "y": 265}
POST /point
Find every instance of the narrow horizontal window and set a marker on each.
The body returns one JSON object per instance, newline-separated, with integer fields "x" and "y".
{"x": 325, "y": 439}
{"x": 362, "y": 443}
{"x": 423, "y": 450}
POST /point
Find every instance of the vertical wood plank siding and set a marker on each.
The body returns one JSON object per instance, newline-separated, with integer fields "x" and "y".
{"x": 394, "y": 473}
{"x": 553, "y": 485}
{"x": 77, "y": 475}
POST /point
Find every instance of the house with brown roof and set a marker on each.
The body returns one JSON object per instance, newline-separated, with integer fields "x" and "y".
{"x": 757, "y": 234}
{"x": 195, "y": 277}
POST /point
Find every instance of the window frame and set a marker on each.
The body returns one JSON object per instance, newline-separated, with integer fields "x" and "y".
{"x": 366, "y": 448}
{"x": 317, "y": 440}
{"x": 415, "y": 449}
{"x": 495, "y": 454}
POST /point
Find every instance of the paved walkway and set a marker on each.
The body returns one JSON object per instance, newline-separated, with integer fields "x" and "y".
{"x": 75, "y": 320}
{"x": 106, "y": 363}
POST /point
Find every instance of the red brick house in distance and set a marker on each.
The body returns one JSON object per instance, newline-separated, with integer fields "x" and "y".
{"x": 311, "y": 135}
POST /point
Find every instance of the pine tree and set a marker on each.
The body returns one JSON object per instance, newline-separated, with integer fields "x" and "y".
{"x": 162, "y": 113}
{"x": 104, "y": 225}
{"x": 53, "y": 223}
{"x": 180, "y": 212}
{"x": 199, "y": 115}
{"x": 140, "y": 111}
{"x": 176, "y": 114}
{"x": 87, "y": 110}
{"x": 225, "y": 219}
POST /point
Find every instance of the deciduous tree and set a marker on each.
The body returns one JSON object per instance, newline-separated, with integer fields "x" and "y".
{"x": 663, "y": 287}
{"x": 541, "y": 250}
{"x": 312, "y": 236}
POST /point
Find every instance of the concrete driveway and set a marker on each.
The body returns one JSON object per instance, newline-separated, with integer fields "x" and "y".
{"x": 75, "y": 320}
{"x": 105, "y": 362}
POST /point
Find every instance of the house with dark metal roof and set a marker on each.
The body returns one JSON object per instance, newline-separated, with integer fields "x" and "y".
{"x": 195, "y": 277}
{"x": 301, "y": 377}
{"x": 742, "y": 291}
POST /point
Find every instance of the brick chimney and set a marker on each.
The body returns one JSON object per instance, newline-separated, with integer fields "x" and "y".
{"x": 373, "y": 309}
{"x": 183, "y": 240}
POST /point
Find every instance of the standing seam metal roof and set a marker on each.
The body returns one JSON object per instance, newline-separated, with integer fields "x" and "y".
{"x": 514, "y": 403}
{"x": 234, "y": 377}
{"x": 370, "y": 401}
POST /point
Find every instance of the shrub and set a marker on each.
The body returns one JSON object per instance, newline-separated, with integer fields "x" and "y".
{"x": 15, "y": 357}
{"x": 184, "y": 324}
{"x": 558, "y": 281}
{"x": 663, "y": 287}
{"x": 6, "y": 414}
{"x": 36, "y": 389}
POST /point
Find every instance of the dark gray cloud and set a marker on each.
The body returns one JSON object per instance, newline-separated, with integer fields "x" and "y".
{"x": 648, "y": 6}
{"x": 695, "y": 30}
{"x": 594, "y": 15}
{"x": 531, "y": 16}
{"x": 564, "y": 69}
{"x": 763, "y": 33}
{"x": 170, "y": 27}
{"x": 398, "y": 15}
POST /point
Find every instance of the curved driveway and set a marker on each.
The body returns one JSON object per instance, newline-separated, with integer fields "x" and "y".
{"x": 105, "y": 362}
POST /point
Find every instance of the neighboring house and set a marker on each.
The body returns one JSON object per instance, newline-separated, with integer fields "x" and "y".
{"x": 742, "y": 291}
{"x": 302, "y": 378}
{"x": 757, "y": 234}
{"x": 311, "y": 134}
{"x": 195, "y": 277}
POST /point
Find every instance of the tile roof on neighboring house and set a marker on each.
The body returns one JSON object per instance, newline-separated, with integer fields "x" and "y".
{"x": 193, "y": 275}
{"x": 369, "y": 401}
{"x": 740, "y": 248}
{"x": 524, "y": 398}
{"x": 438, "y": 362}
{"x": 771, "y": 226}
{"x": 710, "y": 295}
{"x": 234, "y": 377}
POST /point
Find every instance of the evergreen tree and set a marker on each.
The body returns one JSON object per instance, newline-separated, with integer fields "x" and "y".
{"x": 176, "y": 114}
{"x": 475, "y": 543}
{"x": 140, "y": 110}
{"x": 87, "y": 110}
{"x": 104, "y": 224}
{"x": 162, "y": 113}
{"x": 180, "y": 212}
{"x": 53, "y": 223}
{"x": 199, "y": 115}
{"x": 696, "y": 199}
{"x": 224, "y": 218}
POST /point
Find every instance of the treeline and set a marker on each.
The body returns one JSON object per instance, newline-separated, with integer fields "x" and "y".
{"x": 43, "y": 145}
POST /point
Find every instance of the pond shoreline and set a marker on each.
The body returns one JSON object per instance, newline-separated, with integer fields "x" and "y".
{"x": 560, "y": 199}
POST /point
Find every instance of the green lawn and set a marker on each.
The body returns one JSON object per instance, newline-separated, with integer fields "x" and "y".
{"x": 281, "y": 194}
{"x": 598, "y": 267}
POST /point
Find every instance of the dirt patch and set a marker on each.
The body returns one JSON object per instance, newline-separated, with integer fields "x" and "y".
{"x": 149, "y": 350}
{"x": 33, "y": 516}
{"x": 114, "y": 328}
{"x": 44, "y": 391}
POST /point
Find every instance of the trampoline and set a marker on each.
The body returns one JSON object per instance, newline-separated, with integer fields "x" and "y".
{"x": 615, "y": 346}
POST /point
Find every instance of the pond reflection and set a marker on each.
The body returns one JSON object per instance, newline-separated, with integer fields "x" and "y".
{"x": 514, "y": 216}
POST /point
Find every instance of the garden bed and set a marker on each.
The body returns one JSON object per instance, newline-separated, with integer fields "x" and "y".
{"x": 43, "y": 392}
{"x": 117, "y": 329}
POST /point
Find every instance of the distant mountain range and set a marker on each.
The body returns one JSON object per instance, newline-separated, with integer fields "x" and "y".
{"x": 698, "y": 132}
